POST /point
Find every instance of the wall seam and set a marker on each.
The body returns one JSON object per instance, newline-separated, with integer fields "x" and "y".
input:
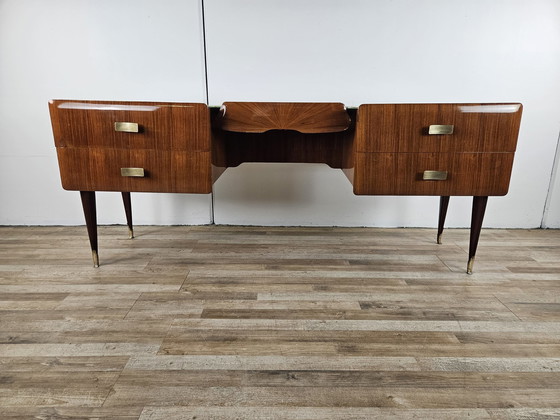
{"x": 205, "y": 59}
{"x": 204, "y": 51}
{"x": 548, "y": 200}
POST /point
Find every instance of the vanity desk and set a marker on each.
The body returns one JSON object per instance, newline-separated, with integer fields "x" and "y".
{"x": 384, "y": 149}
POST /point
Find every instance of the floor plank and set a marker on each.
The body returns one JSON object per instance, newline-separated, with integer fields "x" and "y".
{"x": 230, "y": 322}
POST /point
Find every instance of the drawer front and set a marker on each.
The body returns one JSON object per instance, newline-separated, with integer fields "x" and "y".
{"x": 131, "y": 125}
{"x": 438, "y": 127}
{"x": 432, "y": 173}
{"x": 99, "y": 169}
{"x": 259, "y": 117}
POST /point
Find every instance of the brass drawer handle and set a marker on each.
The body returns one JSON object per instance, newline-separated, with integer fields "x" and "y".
{"x": 440, "y": 129}
{"x": 134, "y": 172}
{"x": 126, "y": 127}
{"x": 434, "y": 175}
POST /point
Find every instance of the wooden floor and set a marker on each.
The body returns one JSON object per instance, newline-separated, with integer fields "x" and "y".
{"x": 230, "y": 323}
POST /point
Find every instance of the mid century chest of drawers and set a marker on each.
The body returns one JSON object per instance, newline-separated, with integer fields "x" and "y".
{"x": 384, "y": 149}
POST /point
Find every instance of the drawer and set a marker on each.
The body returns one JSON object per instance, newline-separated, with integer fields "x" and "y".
{"x": 153, "y": 125}
{"x": 406, "y": 127}
{"x": 259, "y": 117}
{"x": 99, "y": 169}
{"x": 472, "y": 174}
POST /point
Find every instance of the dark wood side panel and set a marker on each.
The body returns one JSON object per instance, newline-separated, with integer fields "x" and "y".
{"x": 349, "y": 147}
{"x": 162, "y": 126}
{"x": 404, "y": 127}
{"x": 480, "y": 174}
{"x": 99, "y": 169}
{"x": 258, "y": 117}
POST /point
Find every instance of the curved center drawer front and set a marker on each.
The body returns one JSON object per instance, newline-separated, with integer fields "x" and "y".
{"x": 125, "y": 125}
{"x": 438, "y": 127}
{"x": 260, "y": 117}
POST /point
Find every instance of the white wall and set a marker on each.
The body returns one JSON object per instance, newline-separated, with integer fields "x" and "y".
{"x": 89, "y": 49}
{"x": 355, "y": 52}
{"x": 385, "y": 52}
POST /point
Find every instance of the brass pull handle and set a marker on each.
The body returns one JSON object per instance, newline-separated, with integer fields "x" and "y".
{"x": 133, "y": 172}
{"x": 126, "y": 127}
{"x": 434, "y": 175}
{"x": 440, "y": 129}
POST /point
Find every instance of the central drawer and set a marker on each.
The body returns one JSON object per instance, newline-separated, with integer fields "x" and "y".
{"x": 260, "y": 117}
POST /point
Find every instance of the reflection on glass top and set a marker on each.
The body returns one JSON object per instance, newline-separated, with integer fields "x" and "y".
{"x": 107, "y": 107}
{"x": 492, "y": 109}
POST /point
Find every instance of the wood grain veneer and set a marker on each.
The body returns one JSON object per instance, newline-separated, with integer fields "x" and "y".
{"x": 163, "y": 126}
{"x": 98, "y": 169}
{"x": 393, "y": 148}
{"x": 259, "y": 117}
{"x": 401, "y": 173}
{"x": 403, "y": 127}
{"x": 172, "y": 146}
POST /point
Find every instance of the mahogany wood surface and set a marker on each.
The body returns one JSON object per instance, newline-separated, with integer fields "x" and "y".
{"x": 259, "y": 117}
{"x": 99, "y": 169}
{"x": 162, "y": 125}
{"x": 172, "y": 145}
{"x": 404, "y": 127}
{"x": 401, "y": 173}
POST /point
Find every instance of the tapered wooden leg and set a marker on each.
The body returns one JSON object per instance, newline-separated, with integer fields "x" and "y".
{"x": 90, "y": 213}
{"x": 128, "y": 211}
{"x": 478, "y": 209}
{"x": 443, "y": 204}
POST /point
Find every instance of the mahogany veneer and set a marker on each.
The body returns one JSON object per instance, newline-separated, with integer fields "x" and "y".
{"x": 172, "y": 146}
{"x": 259, "y": 117}
{"x": 394, "y": 148}
{"x": 99, "y": 169}
{"x": 403, "y": 128}
{"x": 401, "y": 173}
{"x": 384, "y": 149}
{"x": 162, "y": 126}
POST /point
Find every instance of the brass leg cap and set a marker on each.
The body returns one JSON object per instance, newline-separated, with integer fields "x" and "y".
{"x": 439, "y": 239}
{"x": 130, "y": 233}
{"x": 95, "y": 259}
{"x": 470, "y": 265}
